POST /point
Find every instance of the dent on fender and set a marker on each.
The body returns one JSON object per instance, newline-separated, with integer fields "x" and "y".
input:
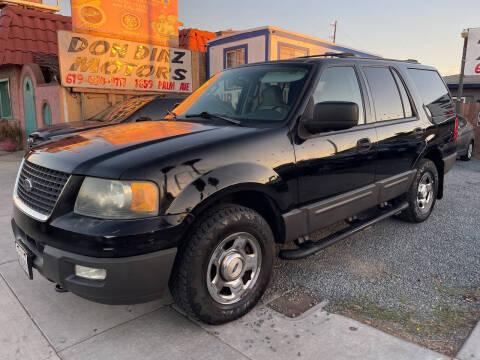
{"x": 186, "y": 194}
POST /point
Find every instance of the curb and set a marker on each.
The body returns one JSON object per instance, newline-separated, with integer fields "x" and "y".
{"x": 471, "y": 348}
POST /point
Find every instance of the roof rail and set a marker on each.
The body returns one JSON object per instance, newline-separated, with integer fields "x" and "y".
{"x": 350, "y": 55}
{"x": 330, "y": 54}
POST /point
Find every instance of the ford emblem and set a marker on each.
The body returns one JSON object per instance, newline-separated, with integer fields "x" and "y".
{"x": 28, "y": 184}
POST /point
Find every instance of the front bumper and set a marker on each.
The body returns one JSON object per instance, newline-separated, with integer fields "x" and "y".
{"x": 129, "y": 280}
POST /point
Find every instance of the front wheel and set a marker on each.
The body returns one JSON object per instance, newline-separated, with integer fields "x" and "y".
{"x": 225, "y": 267}
{"x": 422, "y": 194}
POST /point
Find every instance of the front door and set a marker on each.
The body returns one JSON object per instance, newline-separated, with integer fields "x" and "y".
{"x": 337, "y": 168}
{"x": 29, "y": 106}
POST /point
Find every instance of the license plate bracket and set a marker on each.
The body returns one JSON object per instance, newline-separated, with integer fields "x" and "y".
{"x": 25, "y": 259}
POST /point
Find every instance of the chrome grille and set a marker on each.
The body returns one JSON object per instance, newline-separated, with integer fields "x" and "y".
{"x": 39, "y": 187}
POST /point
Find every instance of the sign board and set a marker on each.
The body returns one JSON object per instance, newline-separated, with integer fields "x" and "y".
{"x": 88, "y": 61}
{"x": 472, "y": 63}
{"x": 33, "y": 4}
{"x": 150, "y": 21}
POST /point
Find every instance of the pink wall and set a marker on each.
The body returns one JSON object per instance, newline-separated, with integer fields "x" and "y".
{"x": 44, "y": 93}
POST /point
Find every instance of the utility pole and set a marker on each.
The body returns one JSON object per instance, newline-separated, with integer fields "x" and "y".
{"x": 462, "y": 71}
{"x": 335, "y": 31}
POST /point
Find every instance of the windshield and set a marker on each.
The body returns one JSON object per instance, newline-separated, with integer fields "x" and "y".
{"x": 264, "y": 93}
{"x": 122, "y": 110}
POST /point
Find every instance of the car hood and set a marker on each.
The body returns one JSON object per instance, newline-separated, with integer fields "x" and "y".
{"x": 110, "y": 151}
{"x": 47, "y": 132}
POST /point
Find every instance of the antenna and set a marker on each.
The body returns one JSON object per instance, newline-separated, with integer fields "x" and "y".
{"x": 334, "y": 25}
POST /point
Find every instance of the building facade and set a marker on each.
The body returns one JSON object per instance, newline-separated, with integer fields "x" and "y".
{"x": 31, "y": 94}
{"x": 266, "y": 43}
{"x": 471, "y": 88}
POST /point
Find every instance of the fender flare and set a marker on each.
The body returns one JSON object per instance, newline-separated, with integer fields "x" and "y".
{"x": 223, "y": 181}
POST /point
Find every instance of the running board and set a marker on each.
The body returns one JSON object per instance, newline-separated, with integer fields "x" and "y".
{"x": 310, "y": 248}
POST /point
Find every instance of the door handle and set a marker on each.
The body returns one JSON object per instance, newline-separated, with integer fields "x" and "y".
{"x": 364, "y": 144}
{"x": 418, "y": 132}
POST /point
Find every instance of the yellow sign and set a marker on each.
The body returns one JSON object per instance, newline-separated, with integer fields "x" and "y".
{"x": 33, "y": 4}
{"x": 88, "y": 61}
{"x": 150, "y": 21}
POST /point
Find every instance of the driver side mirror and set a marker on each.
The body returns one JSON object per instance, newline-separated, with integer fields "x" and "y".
{"x": 332, "y": 116}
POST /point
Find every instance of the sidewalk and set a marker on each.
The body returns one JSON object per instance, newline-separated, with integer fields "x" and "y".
{"x": 42, "y": 324}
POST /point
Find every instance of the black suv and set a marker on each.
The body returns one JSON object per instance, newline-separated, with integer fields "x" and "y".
{"x": 259, "y": 156}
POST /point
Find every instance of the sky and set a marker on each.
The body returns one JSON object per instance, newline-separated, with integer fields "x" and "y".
{"x": 426, "y": 30}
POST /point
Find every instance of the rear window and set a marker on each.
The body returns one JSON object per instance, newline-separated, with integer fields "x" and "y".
{"x": 386, "y": 96}
{"x": 434, "y": 94}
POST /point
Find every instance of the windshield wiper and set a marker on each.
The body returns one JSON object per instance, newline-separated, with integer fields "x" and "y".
{"x": 172, "y": 114}
{"x": 207, "y": 115}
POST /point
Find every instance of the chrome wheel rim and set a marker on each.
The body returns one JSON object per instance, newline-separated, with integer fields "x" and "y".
{"x": 233, "y": 268}
{"x": 425, "y": 193}
{"x": 470, "y": 150}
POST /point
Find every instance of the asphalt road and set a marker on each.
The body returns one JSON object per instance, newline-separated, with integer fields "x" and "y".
{"x": 417, "y": 281}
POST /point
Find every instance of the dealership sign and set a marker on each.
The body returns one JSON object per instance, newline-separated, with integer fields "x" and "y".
{"x": 88, "y": 61}
{"x": 472, "y": 64}
{"x": 150, "y": 21}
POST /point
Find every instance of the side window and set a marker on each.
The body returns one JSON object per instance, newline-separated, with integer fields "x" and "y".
{"x": 235, "y": 57}
{"x": 386, "y": 96}
{"x": 434, "y": 93}
{"x": 462, "y": 122}
{"x": 407, "y": 106}
{"x": 5, "y": 103}
{"x": 340, "y": 84}
{"x": 289, "y": 52}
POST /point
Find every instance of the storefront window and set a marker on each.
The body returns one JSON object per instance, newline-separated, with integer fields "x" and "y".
{"x": 5, "y": 103}
{"x": 235, "y": 57}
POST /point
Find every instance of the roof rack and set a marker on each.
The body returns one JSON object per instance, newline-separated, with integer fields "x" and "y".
{"x": 330, "y": 54}
{"x": 352, "y": 55}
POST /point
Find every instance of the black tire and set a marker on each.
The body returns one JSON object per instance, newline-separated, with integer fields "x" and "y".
{"x": 468, "y": 154}
{"x": 414, "y": 213}
{"x": 188, "y": 282}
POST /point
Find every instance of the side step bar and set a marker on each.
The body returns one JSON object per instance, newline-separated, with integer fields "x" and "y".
{"x": 310, "y": 248}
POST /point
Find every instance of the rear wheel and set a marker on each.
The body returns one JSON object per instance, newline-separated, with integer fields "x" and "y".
{"x": 225, "y": 267}
{"x": 422, "y": 194}
{"x": 468, "y": 155}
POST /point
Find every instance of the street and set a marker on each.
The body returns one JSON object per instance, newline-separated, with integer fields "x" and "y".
{"x": 419, "y": 283}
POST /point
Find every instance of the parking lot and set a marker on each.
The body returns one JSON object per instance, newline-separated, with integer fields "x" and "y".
{"x": 419, "y": 283}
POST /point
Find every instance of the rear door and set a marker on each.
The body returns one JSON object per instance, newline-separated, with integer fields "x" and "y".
{"x": 336, "y": 169}
{"x": 400, "y": 132}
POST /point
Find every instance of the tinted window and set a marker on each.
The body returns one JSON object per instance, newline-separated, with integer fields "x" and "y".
{"x": 386, "y": 97}
{"x": 123, "y": 110}
{"x": 433, "y": 92}
{"x": 340, "y": 84}
{"x": 158, "y": 109}
{"x": 407, "y": 106}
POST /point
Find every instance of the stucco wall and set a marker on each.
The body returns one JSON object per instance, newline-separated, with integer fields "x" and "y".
{"x": 44, "y": 93}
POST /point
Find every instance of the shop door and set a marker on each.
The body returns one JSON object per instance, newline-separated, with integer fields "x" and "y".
{"x": 29, "y": 106}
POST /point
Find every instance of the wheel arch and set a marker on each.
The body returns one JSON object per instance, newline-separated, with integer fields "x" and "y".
{"x": 435, "y": 155}
{"x": 250, "y": 195}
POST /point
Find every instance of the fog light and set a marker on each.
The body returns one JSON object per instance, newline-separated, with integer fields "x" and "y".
{"x": 90, "y": 273}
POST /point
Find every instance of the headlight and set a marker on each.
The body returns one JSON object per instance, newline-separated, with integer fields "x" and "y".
{"x": 113, "y": 199}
